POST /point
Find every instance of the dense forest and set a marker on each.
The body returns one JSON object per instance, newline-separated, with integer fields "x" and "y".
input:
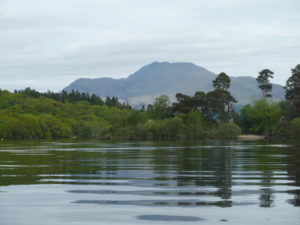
{"x": 28, "y": 114}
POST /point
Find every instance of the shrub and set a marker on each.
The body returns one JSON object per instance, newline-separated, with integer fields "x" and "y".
{"x": 194, "y": 122}
{"x": 125, "y": 133}
{"x": 152, "y": 129}
{"x": 227, "y": 131}
{"x": 172, "y": 128}
{"x": 5, "y": 129}
{"x": 295, "y": 128}
{"x": 91, "y": 129}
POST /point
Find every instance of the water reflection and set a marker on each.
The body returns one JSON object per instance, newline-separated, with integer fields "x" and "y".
{"x": 226, "y": 175}
{"x": 267, "y": 198}
{"x": 166, "y": 203}
{"x": 170, "y": 218}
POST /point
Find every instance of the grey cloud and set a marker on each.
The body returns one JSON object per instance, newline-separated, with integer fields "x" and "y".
{"x": 45, "y": 41}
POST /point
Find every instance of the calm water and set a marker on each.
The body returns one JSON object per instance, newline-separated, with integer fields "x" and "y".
{"x": 84, "y": 183}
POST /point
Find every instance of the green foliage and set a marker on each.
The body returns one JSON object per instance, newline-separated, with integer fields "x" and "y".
{"x": 195, "y": 125}
{"x": 160, "y": 108}
{"x": 26, "y": 117}
{"x": 246, "y": 121}
{"x": 293, "y": 84}
{"x": 6, "y": 127}
{"x": 184, "y": 103}
{"x": 222, "y": 82}
{"x": 32, "y": 126}
{"x": 293, "y": 93}
{"x": 220, "y": 104}
{"x": 151, "y": 130}
{"x": 172, "y": 128}
{"x": 167, "y": 129}
{"x": 220, "y": 100}
{"x": 56, "y": 126}
{"x": 72, "y": 97}
{"x": 182, "y": 126}
{"x": 28, "y": 114}
{"x": 263, "y": 81}
{"x": 91, "y": 129}
{"x": 216, "y": 105}
{"x": 194, "y": 117}
{"x": 114, "y": 102}
{"x": 227, "y": 131}
{"x": 126, "y": 133}
{"x": 135, "y": 118}
{"x": 262, "y": 117}
{"x": 279, "y": 118}
{"x": 295, "y": 128}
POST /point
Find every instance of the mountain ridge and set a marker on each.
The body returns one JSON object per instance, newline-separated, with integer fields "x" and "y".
{"x": 157, "y": 78}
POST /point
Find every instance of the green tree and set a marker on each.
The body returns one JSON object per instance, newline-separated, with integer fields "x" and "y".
{"x": 152, "y": 129}
{"x": 246, "y": 121}
{"x": 262, "y": 117}
{"x": 292, "y": 94}
{"x": 195, "y": 125}
{"x": 91, "y": 129}
{"x": 160, "y": 109}
{"x": 202, "y": 102}
{"x": 32, "y": 126}
{"x": 135, "y": 118}
{"x": 220, "y": 100}
{"x": 172, "y": 128}
{"x": 184, "y": 104}
{"x": 264, "y": 84}
{"x": 295, "y": 128}
{"x": 222, "y": 82}
{"x": 227, "y": 131}
{"x": 57, "y": 128}
{"x": 5, "y": 128}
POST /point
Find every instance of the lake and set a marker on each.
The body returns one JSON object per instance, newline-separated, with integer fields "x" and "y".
{"x": 93, "y": 182}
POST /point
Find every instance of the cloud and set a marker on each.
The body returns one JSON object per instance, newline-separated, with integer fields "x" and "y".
{"x": 46, "y": 41}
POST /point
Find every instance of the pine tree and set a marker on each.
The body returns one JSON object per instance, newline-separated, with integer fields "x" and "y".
{"x": 264, "y": 84}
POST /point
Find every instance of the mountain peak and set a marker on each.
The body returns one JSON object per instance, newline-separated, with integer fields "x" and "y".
{"x": 172, "y": 65}
{"x": 167, "y": 78}
{"x": 168, "y": 68}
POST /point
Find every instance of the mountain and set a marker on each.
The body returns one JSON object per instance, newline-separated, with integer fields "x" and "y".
{"x": 157, "y": 78}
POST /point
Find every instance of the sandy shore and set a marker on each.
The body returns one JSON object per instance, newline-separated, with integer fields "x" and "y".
{"x": 251, "y": 137}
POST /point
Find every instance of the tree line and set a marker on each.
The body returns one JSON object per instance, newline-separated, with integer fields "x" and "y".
{"x": 29, "y": 114}
{"x": 271, "y": 118}
{"x": 74, "y": 96}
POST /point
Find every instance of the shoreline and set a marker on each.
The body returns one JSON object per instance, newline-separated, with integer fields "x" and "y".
{"x": 250, "y": 137}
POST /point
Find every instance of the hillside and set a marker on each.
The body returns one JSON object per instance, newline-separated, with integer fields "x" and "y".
{"x": 166, "y": 78}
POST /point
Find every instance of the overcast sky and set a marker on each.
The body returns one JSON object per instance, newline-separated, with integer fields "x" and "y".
{"x": 48, "y": 44}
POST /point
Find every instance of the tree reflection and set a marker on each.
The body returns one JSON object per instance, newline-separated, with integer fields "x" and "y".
{"x": 266, "y": 197}
{"x": 185, "y": 171}
{"x": 293, "y": 170}
{"x": 210, "y": 168}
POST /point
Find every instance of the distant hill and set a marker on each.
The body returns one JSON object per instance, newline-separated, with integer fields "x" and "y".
{"x": 156, "y": 79}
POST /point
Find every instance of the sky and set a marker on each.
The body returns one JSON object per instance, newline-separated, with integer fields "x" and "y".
{"x": 46, "y": 45}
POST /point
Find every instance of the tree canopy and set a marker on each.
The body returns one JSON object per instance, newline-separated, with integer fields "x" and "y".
{"x": 29, "y": 114}
{"x": 292, "y": 95}
{"x": 220, "y": 99}
{"x": 264, "y": 84}
{"x": 222, "y": 82}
